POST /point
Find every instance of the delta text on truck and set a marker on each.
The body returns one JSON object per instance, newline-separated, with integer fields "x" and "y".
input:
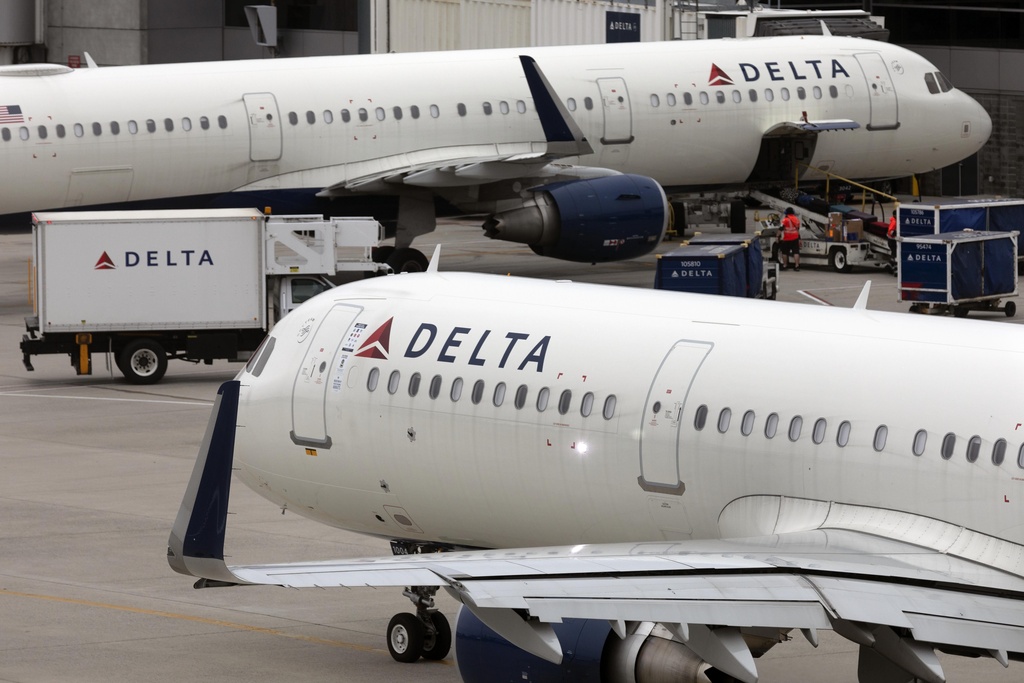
{"x": 197, "y": 285}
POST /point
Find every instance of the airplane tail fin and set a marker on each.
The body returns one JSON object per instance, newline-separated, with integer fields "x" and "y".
{"x": 196, "y": 543}
{"x": 563, "y": 134}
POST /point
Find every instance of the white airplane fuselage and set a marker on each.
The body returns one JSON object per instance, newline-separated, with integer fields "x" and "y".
{"x": 329, "y": 428}
{"x": 682, "y": 113}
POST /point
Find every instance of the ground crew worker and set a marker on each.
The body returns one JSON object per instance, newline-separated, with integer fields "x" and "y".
{"x": 790, "y": 241}
{"x": 891, "y": 237}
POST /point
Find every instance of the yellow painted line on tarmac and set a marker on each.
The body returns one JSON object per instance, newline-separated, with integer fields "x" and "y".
{"x": 199, "y": 620}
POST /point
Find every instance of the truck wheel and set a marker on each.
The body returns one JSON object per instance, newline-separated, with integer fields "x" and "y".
{"x": 407, "y": 260}
{"x": 1010, "y": 310}
{"x": 837, "y": 260}
{"x": 143, "y": 361}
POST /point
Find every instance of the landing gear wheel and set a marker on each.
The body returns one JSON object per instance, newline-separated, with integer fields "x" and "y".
{"x": 838, "y": 262}
{"x": 407, "y": 260}
{"x": 437, "y": 644}
{"x": 1010, "y": 309}
{"x": 405, "y": 637}
{"x": 143, "y": 361}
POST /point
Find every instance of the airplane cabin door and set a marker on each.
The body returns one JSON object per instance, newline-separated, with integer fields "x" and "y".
{"x": 309, "y": 393}
{"x": 618, "y": 115}
{"x": 264, "y": 126}
{"x": 881, "y": 92}
{"x": 662, "y": 418}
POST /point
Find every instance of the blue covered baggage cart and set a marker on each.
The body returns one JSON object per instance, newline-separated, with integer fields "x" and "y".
{"x": 995, "y": 215}
{"x": 958, "y": 272}
{"x": 762, "y": 278}
{"x": 703, "y": 269}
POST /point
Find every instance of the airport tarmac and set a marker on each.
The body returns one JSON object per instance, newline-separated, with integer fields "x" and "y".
{"x": 94, "y": 470}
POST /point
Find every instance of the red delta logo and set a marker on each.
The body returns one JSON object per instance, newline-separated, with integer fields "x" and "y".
{"x": 105, "y": 263}
{"x": 718, "y": 77}
{"x": 377, "y": 345}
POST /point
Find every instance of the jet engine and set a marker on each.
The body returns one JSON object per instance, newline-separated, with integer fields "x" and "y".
{"x": 610, "y": 218}
{"x": 591, "y": 652}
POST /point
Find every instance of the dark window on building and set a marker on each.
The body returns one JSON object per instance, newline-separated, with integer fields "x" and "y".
{"x": 302, "y": 15}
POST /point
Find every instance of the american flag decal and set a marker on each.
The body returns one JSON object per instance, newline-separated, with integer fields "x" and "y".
{"x": 11, "y": 113}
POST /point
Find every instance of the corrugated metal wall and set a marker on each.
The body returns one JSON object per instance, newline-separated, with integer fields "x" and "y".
{"x": 575, "y": 22}
{"x": 418, "y": 25}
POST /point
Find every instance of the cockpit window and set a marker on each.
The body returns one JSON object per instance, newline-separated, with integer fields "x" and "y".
{"x": 933, "y": 87}
{"x": 260, "y": 358}
{"x": 944, "y": 83}
{"x": 937, "y": 83}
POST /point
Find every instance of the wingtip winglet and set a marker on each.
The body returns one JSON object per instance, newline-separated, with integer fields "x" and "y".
{"x": 862, "y": 300}
{"x": 435, "y": 260}
{"x": 559, "y": 127}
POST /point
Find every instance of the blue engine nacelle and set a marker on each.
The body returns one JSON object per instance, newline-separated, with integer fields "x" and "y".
{"x": 599, "y": 219}
{"x": 591, "y": 653}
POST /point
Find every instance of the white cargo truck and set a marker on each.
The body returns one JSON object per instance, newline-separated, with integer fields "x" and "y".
{"x": 147, "y": 286}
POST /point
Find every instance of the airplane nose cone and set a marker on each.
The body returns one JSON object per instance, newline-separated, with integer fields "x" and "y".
{"x": 981, "y": 124}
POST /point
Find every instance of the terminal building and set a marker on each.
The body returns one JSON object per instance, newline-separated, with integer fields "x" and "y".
{"x": 978, "y": 45}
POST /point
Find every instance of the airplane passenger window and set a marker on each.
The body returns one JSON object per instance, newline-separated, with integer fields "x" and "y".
{"x": 542, "y": 399}
{"x": 816, "y": 91}
{"x": 133, "y": 128}
{"x": 456, "y": 393}
{"x": 435, "y": 387}
{"x": 998, "y": 452}
{"x": 769, "y": 94}
{"x": 363, "y": 115}
{"x": 670, "y": 99}
{"x": 796, "y": 425}
{"x": 414, "y": 111}
{"x": 784, "y": 94}
{"x": 933, "y": 87}
{"x": 655, "y": 101}
{"x": 609, "y": 407}
{"x": 222, "y": 121}
{"x": 397, "y": 113}
{"x": 881, "y": 434}
{"x": 478, "y": 392}
{"x": 435, "y": 111}
{"x": 372, "y": 379}
{"x": 327, "y": 116}
{"x": 186, "y": 124}
{"x": 379, "y": 113}
{"x": 687, "y": 99}
{"x": 394, "y": 380}
{"x": 588, "y": 103}
{"x": 752, "y": 94}
{"x": 520, "y": 106}
{"x": 41, "y": 132}
{"x": 115, "y": 127}
{"x": 724, "y": 418}
{"x": 169, "y": 125}
{"x": 461, "y": 109}
{"x": 720, "y": 97}
{"x": 204, "y": 122}
{"x": 488, "y": 109}
{"x": 920, "y": 440}
{"x": 521, "y": 396}
{"x": 747, "y": 425}
{"x": 700, "y": 418}
{"x": 818, "y": 434}
{"x": 310, "y": 117}
{"x": 833, "y": 92}
{"x": 801, "y": 93}
{"x": 414, "y": 384}
{"x": 564, "y": 402}
{"x": 736, "y": 96}
{"x": 771, "y": 426}
{"x": 570, "y": 104}
{"x": 973, "y": 449}
{"x": 293, "y": 118}
{"x": 587, "y": 406}
{"x": 79, "y": 130}
{"x": 150, "y": 125}
{"x": 499, "y": 394}
{"x": 704, "y": 99}
{"x": 843, "y": 435}
{"x": 948, "y": 444}
{"x": 6, "y": 134}
{"x": 97, "y": 129}
{"x": 23, "y": 133}
{"x": 60, "y": 130}
{"x": 345, "y": 115}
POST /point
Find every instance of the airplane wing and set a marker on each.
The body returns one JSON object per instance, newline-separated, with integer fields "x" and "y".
{"x": 479, "y": 163}
{"x": 897, "y": 599}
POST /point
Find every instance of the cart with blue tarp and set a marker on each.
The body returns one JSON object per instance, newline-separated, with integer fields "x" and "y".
{"x": 958, "y": 272}
{"x": 762, "y": 278}
{"x": 703, "y": 269}
{"x": 994, "y": 215}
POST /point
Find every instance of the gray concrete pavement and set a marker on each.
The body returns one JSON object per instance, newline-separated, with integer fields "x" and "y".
{"x": 93, "y": 470}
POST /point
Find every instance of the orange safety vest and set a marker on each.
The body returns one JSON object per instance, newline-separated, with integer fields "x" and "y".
{"x": 790, "y": 228}
{"x": 892, "y": 228}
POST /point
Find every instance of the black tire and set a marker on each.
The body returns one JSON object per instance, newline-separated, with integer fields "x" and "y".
{"x": 960, "y": 311}
{"x": 143, "y": 361}
{"x": 838, "y": 261}
{"x": 437, "y": 645}
{"x": 405, "y": 637}
{"x": 407, "y": 260}
{"x": 1010, "y": 309}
